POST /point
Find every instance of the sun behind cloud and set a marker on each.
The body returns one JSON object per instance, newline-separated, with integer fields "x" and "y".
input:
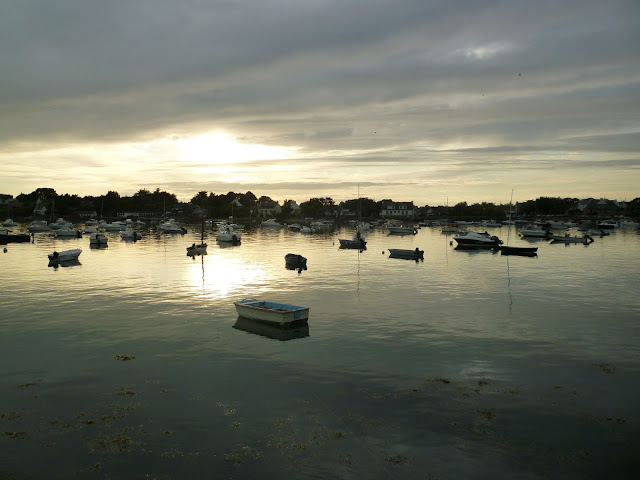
{"x": 218, "y": 149}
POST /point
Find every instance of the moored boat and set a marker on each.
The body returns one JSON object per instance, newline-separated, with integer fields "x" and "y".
{"x": 274, "y": 312}
{"x": 293, "y": 261}
{"x": 408, "y": 254}
{"x": 396, "y": 230}
{"x": 64, "y": 256}
{"x": 98, "y": 239}
{"x": 476, "y": 239}
{"x": 585, "y": 240}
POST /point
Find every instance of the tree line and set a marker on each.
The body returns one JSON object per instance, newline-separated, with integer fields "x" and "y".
{"x": 243, "y": 205}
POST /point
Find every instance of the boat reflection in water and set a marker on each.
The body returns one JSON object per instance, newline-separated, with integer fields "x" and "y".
{"x": 273, "y": 330}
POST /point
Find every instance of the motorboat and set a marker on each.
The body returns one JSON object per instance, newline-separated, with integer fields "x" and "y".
{"x": 60, "y": 224}
{"x": 477, "y": 239}
{"x": 274, "y": 312}
{"x": 535, "y": 232}
{"x": 226, "y": 234}
{"x": 408, "y": 254}
{"x": 90, "y": 229}
{"x": 38, "y": 226}
{"x": 130, "y": 235}
{"x": 171, "y": 226}
{"x": 294, "y": 227}
{"x": 270, "y": 223}
{"x": 272, "y": 330}
{"x": 7, "y": 237}
{"x": 9, "y": 223}
{"x": 64, "y": 256}
{"x": 113, "y": 226}
{"x": 396, "y": 230}
{"x": 293, "y": 261}
{"x": 67, "y": 233}
{"x": 306, "y": 230}
{"x": 98, "y": 239}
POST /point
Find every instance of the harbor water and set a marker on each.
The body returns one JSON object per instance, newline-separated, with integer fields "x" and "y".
{"x": 469, "y": 364}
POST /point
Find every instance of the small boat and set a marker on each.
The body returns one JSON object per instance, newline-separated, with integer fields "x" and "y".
{"x": 585, "y": 240}
{"x": 7, "y": 237}
{"x": 38, "y": 226}
{"x": 416, "y": 254}
{"x": 274, "y": 312}
{"x": 130, "y": 235}
{"x": 535, "y": 232}
{"x": 197, "y": 249}
{"x": 294, "y": 227}
{"x": 67, "y": 233}
{"x": 98, "y": 239}
{"x": 64, "y": 256}
{"x": 394, "y": 230}
{"x": 9, "y": 223}
{"x": 358, "y": 243}
{"x": 524, "y": 251}
{"x": 271, "y": 223}
{"x": 113, "y": 226}
{"x": 226, "y": 234}
{"x": 476, "y": 239}
{"x": 294, "y": 261}
{"x": 60, "y": 223}
{"x": 171, "y": 226}
{"x": 272, "y": 330}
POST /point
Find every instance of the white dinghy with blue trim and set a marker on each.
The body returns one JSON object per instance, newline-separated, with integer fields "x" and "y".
{"x": 274, "y": 312}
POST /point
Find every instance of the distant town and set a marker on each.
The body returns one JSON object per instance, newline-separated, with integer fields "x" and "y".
{"x": 45, "y": 203}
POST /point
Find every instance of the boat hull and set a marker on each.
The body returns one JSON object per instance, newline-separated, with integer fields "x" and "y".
{"x": 64, "y": 256}
{"x": 272, "y": 312}
{"x": 523, "y": 251}
{"x": 353, "y": 244}
{"x": 408, "y": 254}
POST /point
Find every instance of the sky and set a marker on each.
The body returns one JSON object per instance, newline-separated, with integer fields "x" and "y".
{"x": 411, "y": 100}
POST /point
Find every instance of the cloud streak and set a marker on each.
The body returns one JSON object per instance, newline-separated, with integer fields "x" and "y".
{"x": 463, "y": 99}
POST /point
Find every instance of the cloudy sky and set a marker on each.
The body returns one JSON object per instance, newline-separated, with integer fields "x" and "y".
{"x": 417, "y": 100}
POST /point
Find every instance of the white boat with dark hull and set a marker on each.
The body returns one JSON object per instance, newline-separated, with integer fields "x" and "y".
{"x": 38, "y": 226}
{"x": 64, "y": 256}
{"x": 171, "y": 226}
{"x": 535, "y": 232}
{"x": 227, "y": 235}
{"x": 477, "y": 240}
{"x": 408, "y": 254}
{"x": 274, "y": 312}
{"x": 98, "y": 239}
{"x": 270, "y": 223}
{"x": 67, "y": 233}
{"x": 132, "y": 235}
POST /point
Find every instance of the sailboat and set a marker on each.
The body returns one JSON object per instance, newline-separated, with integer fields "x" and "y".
{"x": 201, "y": 248}
{"x": 357, "y": 242}
{"x": 509, "y": 250}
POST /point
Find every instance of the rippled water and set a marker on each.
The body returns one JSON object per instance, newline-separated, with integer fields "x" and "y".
{"x": 467, "y": 365}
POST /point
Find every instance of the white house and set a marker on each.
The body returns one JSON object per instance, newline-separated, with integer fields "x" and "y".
{"x": 397, "y": 209}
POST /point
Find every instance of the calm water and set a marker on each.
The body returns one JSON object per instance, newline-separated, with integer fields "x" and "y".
{"x": 466, "y": 365}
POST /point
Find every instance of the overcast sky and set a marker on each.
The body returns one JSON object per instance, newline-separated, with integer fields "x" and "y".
{"x": 407, "y": 99}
